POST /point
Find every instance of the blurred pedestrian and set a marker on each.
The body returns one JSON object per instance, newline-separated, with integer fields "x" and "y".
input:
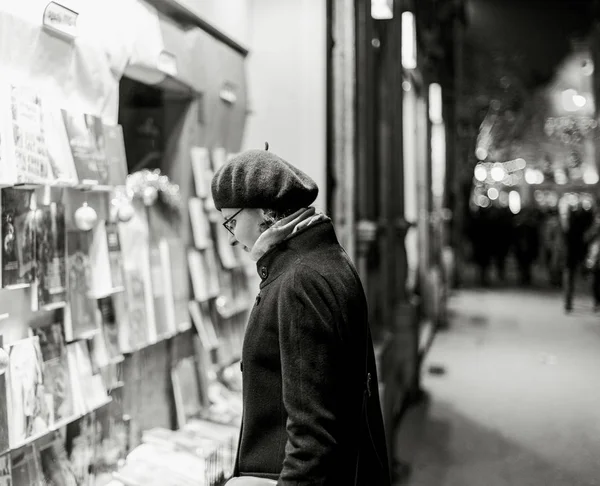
{"x": 526, "y": 242}
{"x": 592, "y": 260}
{"x": 552, "y": 247}
{"x": 575, "y": 221}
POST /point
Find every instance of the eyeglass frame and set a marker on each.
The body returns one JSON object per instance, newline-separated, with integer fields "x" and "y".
{"x": 228, "y": 220}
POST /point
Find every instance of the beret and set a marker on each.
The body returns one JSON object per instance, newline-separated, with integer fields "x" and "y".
{"x": 261, "y": 179}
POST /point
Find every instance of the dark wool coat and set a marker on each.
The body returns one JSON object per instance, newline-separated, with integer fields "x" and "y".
{"x": 303, "y": 365}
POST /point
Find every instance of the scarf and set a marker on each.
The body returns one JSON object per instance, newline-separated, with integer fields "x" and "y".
{"x": 284, "y": 229}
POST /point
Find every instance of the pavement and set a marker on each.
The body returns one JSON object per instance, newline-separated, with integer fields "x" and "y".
{"x": 512, "y": 395}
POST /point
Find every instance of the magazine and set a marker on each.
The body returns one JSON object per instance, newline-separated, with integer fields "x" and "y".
{"x": 55, "y": 465}
{"x": 200, "y": 224}
{"x": 200, "y": 158}
{"x": 27, "y": 143}
{"x": 101, "y": 275}
{"x": 186, "y": 391}
{"x": 18, "y": 237}
{"x": 28, "y": 410}
{"x": 135, "y": 247}
{"x": 25, "y": 467}
{"x": 4, "y": 434}
{"x": 57, "y": 380}
{"x": 114, "y": 255}
{"x": 86, "y": 139}
{"x": 50, "y": 255}
{"x": 5, "y": 470}
{"x": 80, "y": 447}
{"x": 180, "y": 283}
{"x": 80, "y": 313}
{"x": 115, "y": 155}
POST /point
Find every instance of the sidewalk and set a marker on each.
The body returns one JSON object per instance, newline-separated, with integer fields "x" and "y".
{"x": 514, "y": 395}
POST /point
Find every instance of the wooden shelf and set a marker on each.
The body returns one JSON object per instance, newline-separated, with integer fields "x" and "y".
{"x": 59, "y": 425}
{"x": 91, "y": 186}
{"x": 51, "y": 307}
{"x": 102, "y": 295}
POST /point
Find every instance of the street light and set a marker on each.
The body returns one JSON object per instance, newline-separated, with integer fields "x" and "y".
{"x": 409, "y": 41}
{"x": 435, "y": 103}
{"x": 382, "y": 9}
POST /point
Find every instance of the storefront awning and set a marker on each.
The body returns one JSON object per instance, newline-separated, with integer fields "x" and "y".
{"x": 160, "y": 55}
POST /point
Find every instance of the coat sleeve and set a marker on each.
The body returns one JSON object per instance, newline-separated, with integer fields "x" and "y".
{"x": 309, "y": 346}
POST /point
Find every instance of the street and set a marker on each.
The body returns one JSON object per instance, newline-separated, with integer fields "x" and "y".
{"x": 513, "y": 395}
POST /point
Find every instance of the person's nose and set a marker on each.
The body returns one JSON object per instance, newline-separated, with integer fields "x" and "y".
{"x": 232, "y": 240}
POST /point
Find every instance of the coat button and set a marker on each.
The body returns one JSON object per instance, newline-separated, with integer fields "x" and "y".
{"x": 263, "y": 272}
{"x": 242, "y": 366}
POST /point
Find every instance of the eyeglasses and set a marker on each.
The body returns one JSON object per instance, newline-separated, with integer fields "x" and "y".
{"x": 229, "y": 223}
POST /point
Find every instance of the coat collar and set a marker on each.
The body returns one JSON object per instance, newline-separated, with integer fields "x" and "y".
{"x": 273, "y": 263}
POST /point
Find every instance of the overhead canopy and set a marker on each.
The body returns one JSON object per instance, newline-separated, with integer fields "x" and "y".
{"x": 159, "y": 54}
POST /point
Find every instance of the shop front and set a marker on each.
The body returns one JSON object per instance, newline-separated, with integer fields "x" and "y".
{"x": 122, "y": 304}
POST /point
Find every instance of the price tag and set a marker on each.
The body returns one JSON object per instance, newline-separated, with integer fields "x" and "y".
{"x": 60, "y": 20}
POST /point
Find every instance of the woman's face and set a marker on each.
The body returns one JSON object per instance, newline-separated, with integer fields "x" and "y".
{"x": 245, "y": 225}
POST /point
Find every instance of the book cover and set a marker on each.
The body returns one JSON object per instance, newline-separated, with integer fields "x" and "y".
{"x": 86, "y": 139}
{"x": 25, "y": 467}
{"x": 28, "y": 410}
{"x": 17, "y": 237}
{"x": 4, "y": 434}
{"x": 57, "y": 143}
{"x": 57, "y": 380}
{"x": 98, "y": 350}
{"x": 135, "y": 247}
{"x": 199, "y": 273}
{"x": 213, "y": 271}
{"x": 80, "y": 313}
{"x": 167, "y": 278}
{"x": 226, "y": 252}
{"x": 81, "y": 448}
{"x": 200, "y": 224}
{"x": 92, "y": 385}
{"x": 186, "y": 391}
{"x": 127, "y": 343}
{"x": 161, "y": 307}
{"x": 111, "y": 440}
{"x": 50, "y": 255}
{"x": 204, "y": 326}
{"x": 180, "y": 282}
{"x": 55, "y": 465}
{"x": 200, "y": 158}
{"x": 5, "y": 470}
{"x": 135, "y": 291}
{"x": 110, "y": 326}
{"x": 115, "y": 155}
{"x": 114, "y": 255}
{"x": 219, "y": 158}
{"x": 101, "y": 278}
{"x": 28, "y": 136}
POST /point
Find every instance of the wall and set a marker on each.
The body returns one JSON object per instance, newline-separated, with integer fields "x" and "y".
{"x": 228, "y": 16}
{"x": 286, "y": 71}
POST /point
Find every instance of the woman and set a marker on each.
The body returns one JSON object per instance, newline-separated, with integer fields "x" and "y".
{"x": 311, "y": 403}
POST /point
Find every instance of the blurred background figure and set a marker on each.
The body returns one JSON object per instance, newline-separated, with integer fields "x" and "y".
{"x": 526, "y": 242}
{"x": 500, "y": 238}
{"x": 575, "y": 221}
{"x": 551, "y": 247}
{"x": 592, "y": 260}
{"x": 481, "y": 235}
